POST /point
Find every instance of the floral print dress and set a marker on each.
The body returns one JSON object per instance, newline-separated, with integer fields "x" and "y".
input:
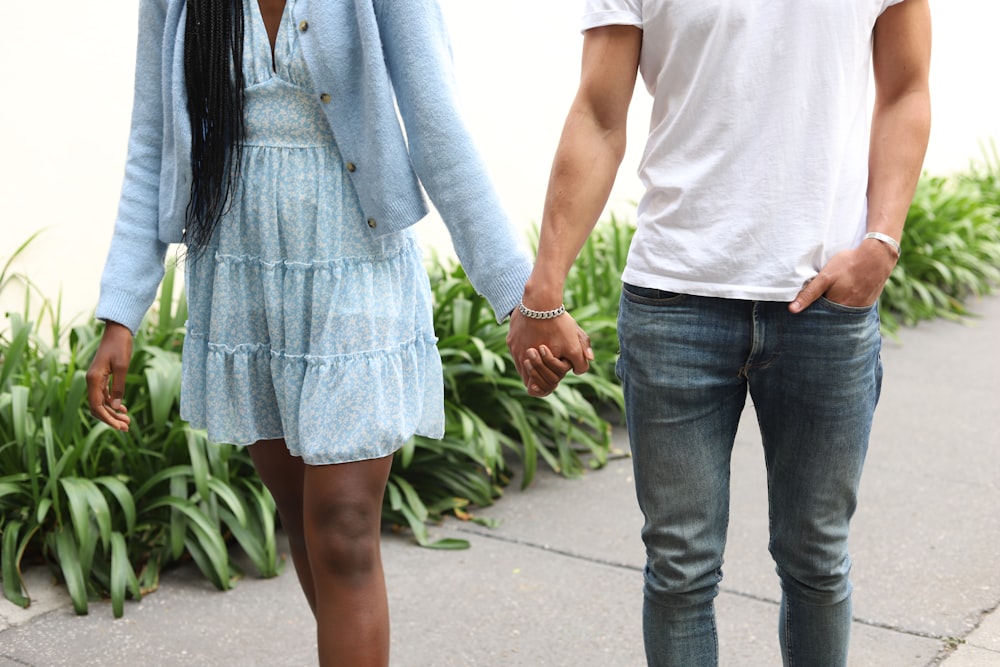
{"x": 301, "y": 324}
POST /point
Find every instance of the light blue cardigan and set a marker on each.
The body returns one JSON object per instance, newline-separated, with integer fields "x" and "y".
{"x": 363, "y": 55}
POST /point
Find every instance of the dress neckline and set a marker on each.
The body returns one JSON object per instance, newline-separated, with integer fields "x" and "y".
{"x": 279, "y": 38}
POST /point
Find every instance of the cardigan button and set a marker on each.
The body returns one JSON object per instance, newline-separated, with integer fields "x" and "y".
{"x": 303, "y": 26}
{"x": 325, "y": 98}
{"x": 372, "y": 223}
{"x": 351, "y": 167}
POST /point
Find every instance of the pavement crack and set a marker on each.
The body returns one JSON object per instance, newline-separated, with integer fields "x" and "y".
{"x": 553, "y": 550}
{"x": 922, "y": 634}
{"x": 722, "y": 588}
{"x": 15, "y": 661}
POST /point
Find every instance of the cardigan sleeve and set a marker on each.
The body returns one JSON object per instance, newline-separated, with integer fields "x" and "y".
{"x": 134, "y": 265}
{"x": 450, "y": 168}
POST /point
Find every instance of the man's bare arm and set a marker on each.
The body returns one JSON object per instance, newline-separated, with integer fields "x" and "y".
{"x": 899, "y": 134}
{"x": 583, "y": 171}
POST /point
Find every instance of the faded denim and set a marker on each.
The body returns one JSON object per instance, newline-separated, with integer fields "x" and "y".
{"x": 687, "y": 364}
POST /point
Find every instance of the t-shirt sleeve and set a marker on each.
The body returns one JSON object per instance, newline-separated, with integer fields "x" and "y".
{"x": 886, "y": 4}
{"x": 597, "y": 13}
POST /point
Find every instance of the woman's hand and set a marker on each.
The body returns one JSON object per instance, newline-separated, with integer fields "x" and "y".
{"x": 106, "y": 376}
{"x": 543, "y": 370}
{"x": 566, "y": 347}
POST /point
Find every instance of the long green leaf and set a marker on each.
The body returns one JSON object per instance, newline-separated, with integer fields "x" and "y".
{"x": 72, "y": 570}
{"x": 199, "y": 463}
{"x": 122, "y": 575}
{"x": 21, "y": 417}
{"x": 412, "y": 499}
{"x": 13, "y": 489}
{"x": 78, "y": 505}
{"x": 264, "y": 509}
{"x": 10, "y": 552}
{"x": 98, "y": 505}
{"x": 221, "y": 490}
{"x": 253, "y": 543}
{"x": 15, "y": 352}
{"x": 70, "y": 424}
{"x": 121, "y": 493}
{"x": 206, "y": 535}
{"x": 178, "y": 519}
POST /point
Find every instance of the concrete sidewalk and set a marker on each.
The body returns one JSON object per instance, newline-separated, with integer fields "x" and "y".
{"x": 559, "y": 582}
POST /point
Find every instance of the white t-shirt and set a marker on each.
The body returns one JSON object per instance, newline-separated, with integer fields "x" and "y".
{"x": 756, "y": 164}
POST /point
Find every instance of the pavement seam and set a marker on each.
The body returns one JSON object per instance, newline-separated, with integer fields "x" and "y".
{"x": 922, "y": 634}
{"x": 980, "y": 647}
{"x": 16, "y": 661}
{"x": 548, "y": 549}
{"x": 730, "y": 591}
{"x": 986, "y": 613}
{"x": 600, "y": 561}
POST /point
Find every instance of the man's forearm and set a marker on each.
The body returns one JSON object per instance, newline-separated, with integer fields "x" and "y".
{"x": 901, "y": 118}
{"x": 900, "y": 132}
{"x": 583, "y": 173}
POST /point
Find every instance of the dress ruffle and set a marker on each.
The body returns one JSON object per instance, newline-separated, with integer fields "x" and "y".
{"x": 329, "y": 409}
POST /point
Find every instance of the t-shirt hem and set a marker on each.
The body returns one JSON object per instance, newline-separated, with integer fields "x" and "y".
{"x": 722, "y": 291}
{"x": 609, "y": 17}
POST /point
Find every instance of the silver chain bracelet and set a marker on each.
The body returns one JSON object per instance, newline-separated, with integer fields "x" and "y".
{"x": 541, "y": 314}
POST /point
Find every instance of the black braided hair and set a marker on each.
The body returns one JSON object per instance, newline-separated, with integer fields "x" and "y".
{"x": 213, "y": 71}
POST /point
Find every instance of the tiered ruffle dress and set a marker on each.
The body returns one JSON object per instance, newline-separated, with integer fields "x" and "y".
{"x": 301, "y": 324}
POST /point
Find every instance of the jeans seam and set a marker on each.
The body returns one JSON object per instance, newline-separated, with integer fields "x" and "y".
{"x": 788, "y": 633}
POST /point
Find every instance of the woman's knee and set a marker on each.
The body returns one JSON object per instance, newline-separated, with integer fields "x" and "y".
{"x": 342, "y": 536}
{"x": 343, "y": 515}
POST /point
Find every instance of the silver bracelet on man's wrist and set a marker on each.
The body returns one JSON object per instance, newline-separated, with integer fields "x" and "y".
{"x": 541, "y": 314}
{"x": 886, "y": 239}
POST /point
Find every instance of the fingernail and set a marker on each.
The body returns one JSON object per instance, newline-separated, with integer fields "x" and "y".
{"x": 544, "y": 352}
{"x": 116, "y": 403}
{"x": 590, "y": 353}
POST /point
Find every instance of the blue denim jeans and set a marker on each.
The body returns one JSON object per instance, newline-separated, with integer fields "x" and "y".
{"x": 686, "y": 365}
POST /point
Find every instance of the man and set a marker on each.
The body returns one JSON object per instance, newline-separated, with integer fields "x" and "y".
{"x": 769, "y": 225}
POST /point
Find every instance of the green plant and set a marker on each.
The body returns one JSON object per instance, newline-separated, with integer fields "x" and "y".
{"x": 107, "y": 510}
{"x": 951, "y": 250}
{"x": 592, "y": 293}
{"x": 489, "y": 415}
{"x": 985, "y": 175}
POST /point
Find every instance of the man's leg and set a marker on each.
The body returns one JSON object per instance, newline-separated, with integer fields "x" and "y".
{"x": 680, "y": 363}
{"x": 815, "y": 388}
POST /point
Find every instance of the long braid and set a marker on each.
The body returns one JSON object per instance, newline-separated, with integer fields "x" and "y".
{"x": 213, "y": 71}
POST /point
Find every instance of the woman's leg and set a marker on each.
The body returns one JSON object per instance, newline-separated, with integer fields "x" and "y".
{"x": 283, "y": 475}
{"x": 343, "y": 516}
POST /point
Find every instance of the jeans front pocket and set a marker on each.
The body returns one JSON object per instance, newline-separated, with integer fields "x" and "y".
{"x": 827, "y": 304}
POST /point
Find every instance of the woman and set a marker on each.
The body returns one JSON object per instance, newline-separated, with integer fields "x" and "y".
{"x": 309, "y": 333}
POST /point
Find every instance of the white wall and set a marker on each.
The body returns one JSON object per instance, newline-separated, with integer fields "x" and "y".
{"x": 67, "y": 94}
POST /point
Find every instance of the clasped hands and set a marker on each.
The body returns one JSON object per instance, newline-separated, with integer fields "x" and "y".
{"x": 544, "y": 351}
